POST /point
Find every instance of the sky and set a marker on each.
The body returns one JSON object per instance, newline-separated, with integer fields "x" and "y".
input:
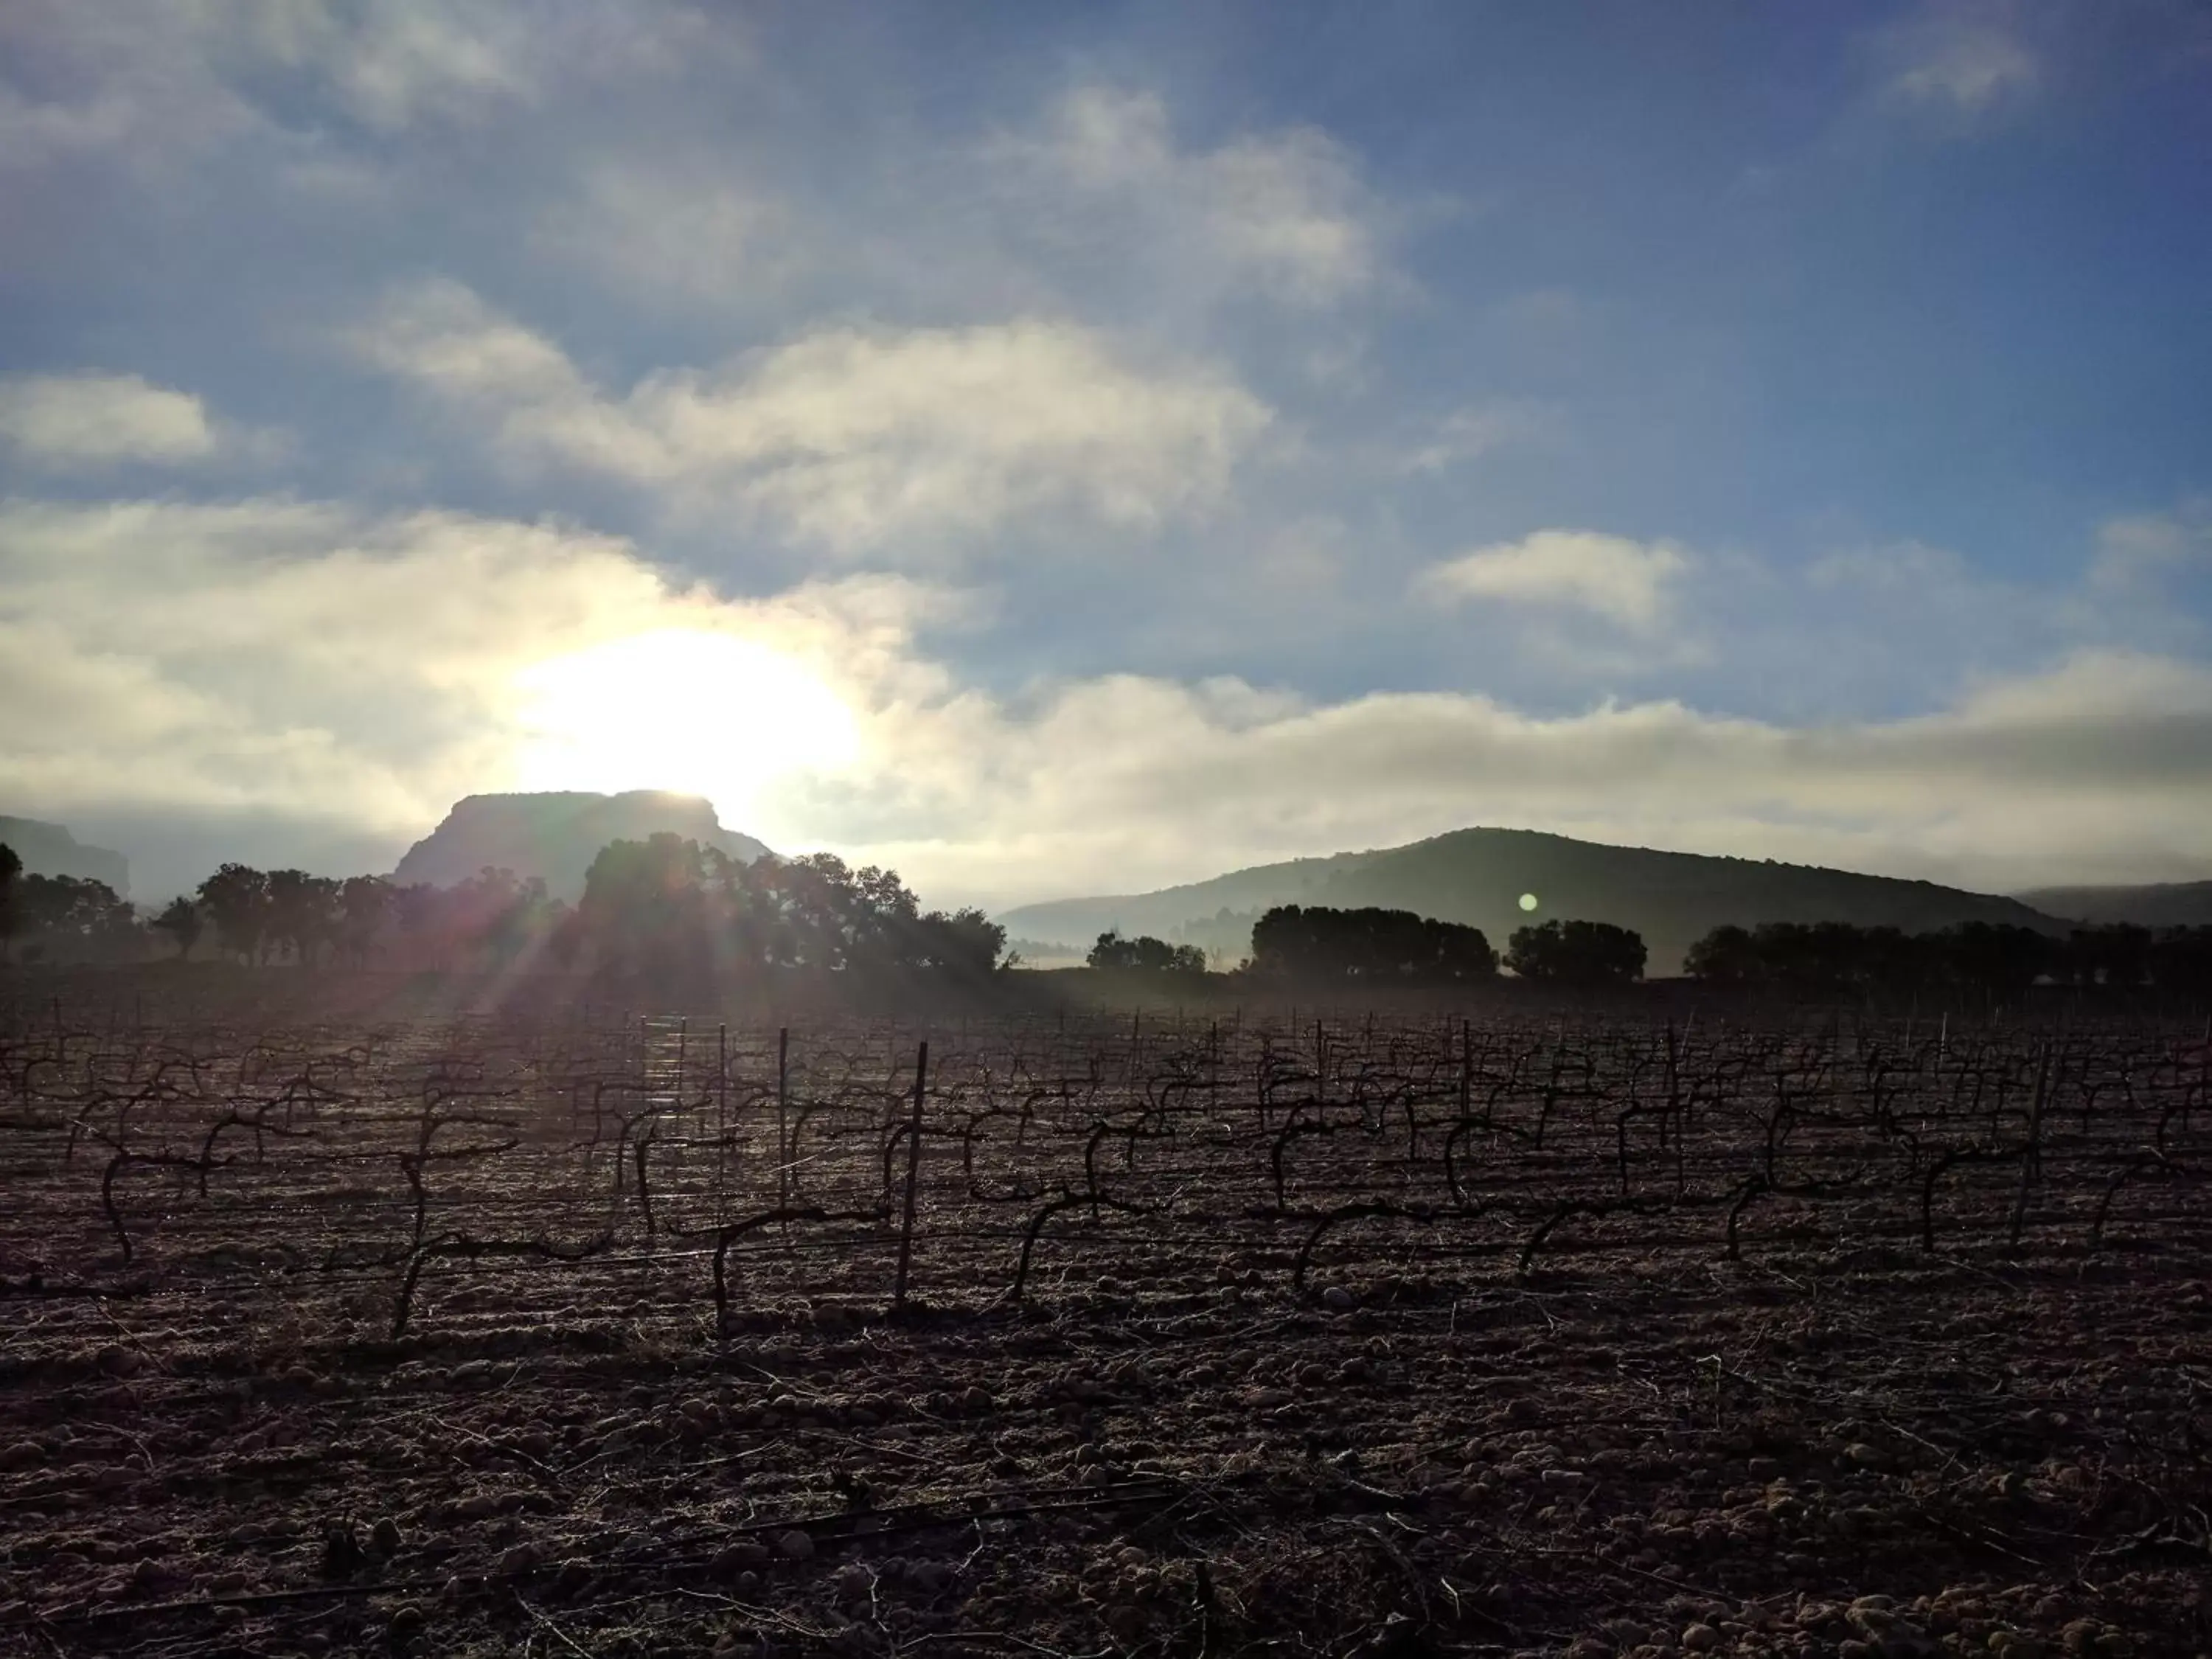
{"x": 1058, "y": 449}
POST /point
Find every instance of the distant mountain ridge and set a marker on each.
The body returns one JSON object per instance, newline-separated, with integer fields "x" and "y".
{"x": 556, "y": 836}
{"x": 48, "y": 849}
{"x": 2160, "y": 904}
{"x": 1478, "y": 876}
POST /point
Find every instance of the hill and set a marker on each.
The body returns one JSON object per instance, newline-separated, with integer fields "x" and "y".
{"x": 2164, "y": 904}
{"x": 1218, "y": 906}
{"x": 557, "y": 835}
{"x": 48, "y": 849}
{"x": 1478, "y": 876}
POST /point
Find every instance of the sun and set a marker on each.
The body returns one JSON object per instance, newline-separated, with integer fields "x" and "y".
{"x": 695, "y": 711}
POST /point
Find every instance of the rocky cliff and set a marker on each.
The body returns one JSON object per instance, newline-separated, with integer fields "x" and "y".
{"x": 556, "y": 837}
{"x": 47, "y": 850}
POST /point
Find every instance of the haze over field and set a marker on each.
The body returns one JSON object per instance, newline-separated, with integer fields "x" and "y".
{"x": 1056, "y": 451}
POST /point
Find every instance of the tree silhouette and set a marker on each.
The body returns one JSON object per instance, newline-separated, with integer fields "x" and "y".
{"x": 2118, "y": 955}
{"x": 1372, "y": 946}
{"x": 1726, "y": 956}
{"x": 236, "y": 897}
{"x": 1144, "y": 954}
{"x": 182, "y": 921}
{"x": 11, "y": 872}
{"x": 1576, "y": 953}
{"x": 364, "y": 907}
{"x": 2181, "y": 962}
{"x": 73, "y": 917}
{"x": 966, "y": 944}
{"x": 668, "y": 908}
{"x": 302, "y": 912}
{"x": 1996, "y": 961}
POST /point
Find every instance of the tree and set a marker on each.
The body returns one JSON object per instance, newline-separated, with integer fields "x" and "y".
{"x": 417, "y": 908}
{"x": 1726, "y": 956}
{"x": 667, "y": 907}
{"x": 1576, "y": 953}
{"x": 236, "y": 897}
{"x": 11, "y": 872}
{"x": 73, "y": 917}
{"x": 1372, "y": 946}
{"x": 648, "y": 907}
{"x": 2118, "y": 956}
{"x": 183, "y": 923}
{"x": 2181, "y": 962}
{"x": 1144, "y": 955}
{"x": 966, "y": 944}
{"x": 302, "y": 912}
{"x": 364, "y": 905}
{"x": 1998, "y": 960}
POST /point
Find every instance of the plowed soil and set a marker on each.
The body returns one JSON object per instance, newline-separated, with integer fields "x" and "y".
{"x": 1466, "y": 1364}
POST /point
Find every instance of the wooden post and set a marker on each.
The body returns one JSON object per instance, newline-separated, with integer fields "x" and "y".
{"x": 913, "y": 1175}
{"x": 676, "y": 1097}
{"x": 721, "y": 1124}
{"x": 783, "y": 1118}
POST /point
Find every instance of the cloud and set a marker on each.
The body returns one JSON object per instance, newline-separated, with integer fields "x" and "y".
{"x": 2140, "y": 552}
{"x": 86, "y": 422}
{"x": 2098, "y": 767}
{"x": 156, "y": 82}
{"x": 1467, "y": 435}
{"x": 313, "y": 664}
{"x": 858, "y": 439}
{"x": 1892, "y": 612}
{"x": 688, "y": 233}
{"x": 1622, "y": 581}
{"x": 1284, "y": 214}
{"x": 308, "y": 664}
{"x": 1961, "y": 58}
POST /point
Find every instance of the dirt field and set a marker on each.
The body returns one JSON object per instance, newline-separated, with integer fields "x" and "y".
{"x": 335, "y": 1324}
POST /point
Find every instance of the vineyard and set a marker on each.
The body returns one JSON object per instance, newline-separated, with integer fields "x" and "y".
{"x": 338, "y": 1325}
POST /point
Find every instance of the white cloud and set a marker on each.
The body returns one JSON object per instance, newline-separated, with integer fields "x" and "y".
{"x": 855, "y": 439}
{"x": 1623, "y": 581}
{"x": 2097, "y": 768}
{"x": 693, "y": 233}
{"x": 2139, "y": 551}
{"x": 1283, "y": 213}
{"x": 84, "y": 421}
{"x": 1961, "y": 58}
{"x": 1467, "y": 435}
{"x": 157, "y": 81}
{"x": 304, "y": 661}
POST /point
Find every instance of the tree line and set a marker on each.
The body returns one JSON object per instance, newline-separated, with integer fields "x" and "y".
{"x": 1997, "y": 960}
{"x": 36, "y": 907}
{"x": 1374, "y": 948}
{"x": 668, "y": 907}
{"x": 664, "y": 909}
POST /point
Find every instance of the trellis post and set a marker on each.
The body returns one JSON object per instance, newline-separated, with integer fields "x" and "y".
{"x": 913, "y": 1174}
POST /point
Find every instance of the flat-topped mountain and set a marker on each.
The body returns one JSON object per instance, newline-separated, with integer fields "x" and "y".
{"x": 48, "y": 849}
{"x": 1478, "y": 876}
{"x": 557, "y": 835}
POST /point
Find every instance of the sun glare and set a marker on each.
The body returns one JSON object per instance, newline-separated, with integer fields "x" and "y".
{"x": 681, "y": 709}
